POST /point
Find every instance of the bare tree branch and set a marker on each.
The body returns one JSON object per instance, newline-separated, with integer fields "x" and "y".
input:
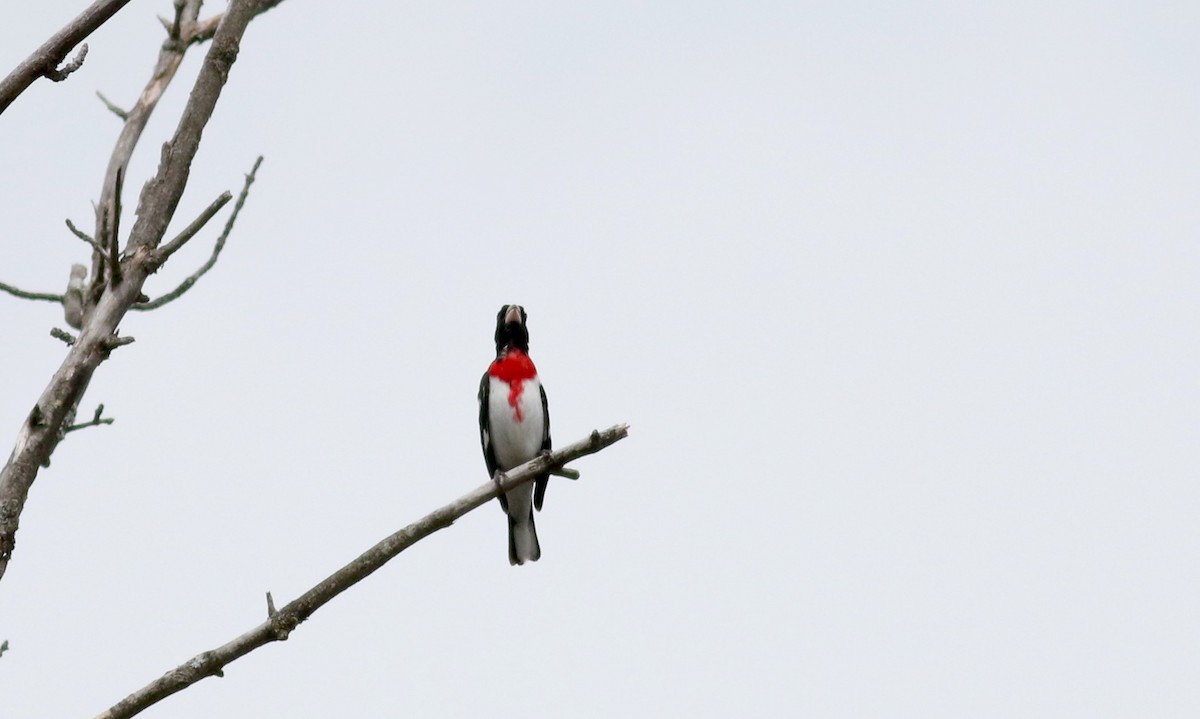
{"x": 45, "y": 60}
{"x": 17, "y": 292}
{"x": 41, "y": 432}
{"x": 97, "y": 420}
{"x": 185, "y": 31}
{"x": 84, "y": 236}
{"x": 165, "y": 252}
{"x": 81, "y": 234}
{"x": 170, "y": 56}
{"x": 220, "y": 245}
{"x": 112, "y": 108}
{"x": 281, "y": 622}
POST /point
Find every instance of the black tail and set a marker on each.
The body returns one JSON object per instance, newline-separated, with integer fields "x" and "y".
{"x": 539, "y": 491}
{"x": 522, "y": 541}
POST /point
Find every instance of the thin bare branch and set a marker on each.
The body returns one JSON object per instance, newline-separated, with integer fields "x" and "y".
{"x": 220, "y": 245}
{"x": 97, "y": 419}
{"x": 45, "y": 60}
{"x": 85, "y": 237}
{"x": 165, "y": 252}
{"x": 280, "y": 623}
{"x": 17, "y": 292}
{"x": 41, "y": 432}
{"x": 62, "y": 73}
{"x": 112, "y": 107}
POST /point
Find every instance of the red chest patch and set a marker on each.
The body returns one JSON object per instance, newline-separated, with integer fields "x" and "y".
{"x": 514, "y": 368}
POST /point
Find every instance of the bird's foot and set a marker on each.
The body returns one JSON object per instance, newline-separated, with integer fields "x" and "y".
{"x": 498, "y": 478}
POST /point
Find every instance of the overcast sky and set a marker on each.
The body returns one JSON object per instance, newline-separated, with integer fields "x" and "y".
{"x": 900, "y": 301}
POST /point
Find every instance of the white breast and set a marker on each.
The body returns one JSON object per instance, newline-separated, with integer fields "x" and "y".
{"x": 516, "y": 431}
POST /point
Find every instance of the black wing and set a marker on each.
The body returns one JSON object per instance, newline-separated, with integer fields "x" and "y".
{"x": 485, "y": 439}
{"x": 539, "y": 484}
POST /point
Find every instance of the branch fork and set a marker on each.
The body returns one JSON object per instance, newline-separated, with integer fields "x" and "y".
{"x": 116, "y": 287}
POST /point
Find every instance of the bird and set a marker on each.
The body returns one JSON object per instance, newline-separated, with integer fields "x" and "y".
{"x": 514, "y": 427}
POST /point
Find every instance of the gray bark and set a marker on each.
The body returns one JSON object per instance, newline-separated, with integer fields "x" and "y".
{"x": 42, "y": 429}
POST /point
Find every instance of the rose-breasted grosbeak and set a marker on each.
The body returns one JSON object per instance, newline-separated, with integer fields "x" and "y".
{"x": 514, "y": 427}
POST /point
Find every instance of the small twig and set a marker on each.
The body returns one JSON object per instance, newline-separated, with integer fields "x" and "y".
{"x": 112, "y": 107}
{"x": 190, "y": 231}
{"x": 85, "y": 237}
{"x": 565, "y": 473}
{"x": 114, "y": 341}
{"x": 220, "y": 245}
{"x": 3, "y": 647}
{"x": 60, "y": 334}
{"x": 62, "y": 73}
{"x": 270, "y": 605}
{"x": 43, "y": 296}
{"x": 97, "y": 420}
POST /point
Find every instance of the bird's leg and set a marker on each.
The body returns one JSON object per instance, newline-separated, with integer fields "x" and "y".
{"x": 499, "y": 478}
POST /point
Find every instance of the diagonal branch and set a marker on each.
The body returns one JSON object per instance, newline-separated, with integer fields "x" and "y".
{"x": 85, "y": 237}
{"x": 112, "y": 107}
{"x": 45, "y": 60}
{"x": 170, "y": 248}
{"x": 212, "y": 260}
{"x": 281, "y": 622}
{"x": 170, "y": 56}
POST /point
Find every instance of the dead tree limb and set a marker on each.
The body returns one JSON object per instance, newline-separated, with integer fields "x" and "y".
{"x": 280, "y": 622}
{"x": 216, "y": 251}
{"x": 42, "y": 429}
{"x": 45, "y": 60}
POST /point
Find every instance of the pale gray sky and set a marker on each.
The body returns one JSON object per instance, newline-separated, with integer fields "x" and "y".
{"x": 900, "y": 301}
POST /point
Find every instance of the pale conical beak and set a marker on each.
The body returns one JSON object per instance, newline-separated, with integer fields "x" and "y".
{"x": 513, "y": 315}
